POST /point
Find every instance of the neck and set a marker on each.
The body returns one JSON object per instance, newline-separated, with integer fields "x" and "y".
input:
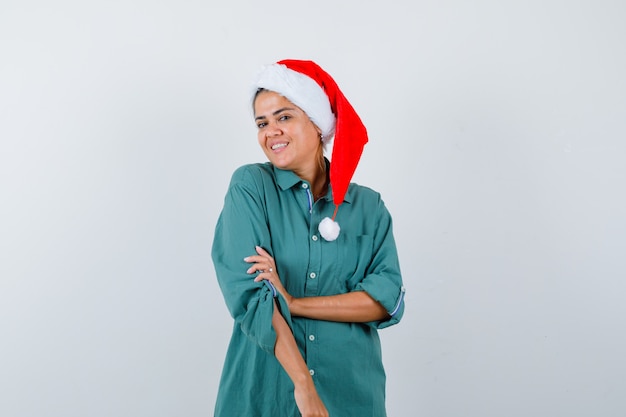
{"x": 318, "y": 178}
{"x": 320, "y": 187}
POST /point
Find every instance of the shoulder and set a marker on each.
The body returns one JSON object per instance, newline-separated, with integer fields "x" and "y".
{"x": 364, "y": 195}
{"x": 367, "y": 200}
{"x": 253, "y": 174}
{"x": 251, "y": 180}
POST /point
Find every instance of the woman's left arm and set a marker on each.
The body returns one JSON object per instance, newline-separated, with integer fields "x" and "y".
{"x": 354, "y": 307}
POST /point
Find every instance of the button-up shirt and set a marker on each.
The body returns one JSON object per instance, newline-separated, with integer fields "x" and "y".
{"x": 275, "y": 209}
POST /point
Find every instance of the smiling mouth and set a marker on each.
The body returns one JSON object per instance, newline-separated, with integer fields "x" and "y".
{"x": 278, "y": 146}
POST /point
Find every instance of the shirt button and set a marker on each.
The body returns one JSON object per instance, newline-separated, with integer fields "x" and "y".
{"x": 312, "y": 275}
{"x": 311, "y": 337}
{"x": 312, "y": 372}
{"x": 314, "y": 237}
{"x": 305, "y": 186}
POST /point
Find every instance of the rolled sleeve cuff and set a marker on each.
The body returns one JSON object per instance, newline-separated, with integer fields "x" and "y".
{"x": 257, "y": 321}
{"x": 390, "y": 296}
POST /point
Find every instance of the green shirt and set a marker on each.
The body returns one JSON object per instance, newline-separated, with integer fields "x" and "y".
{"x": 274, "y": 209}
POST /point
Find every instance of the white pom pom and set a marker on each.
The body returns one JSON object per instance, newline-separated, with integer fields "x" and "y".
{"x": 329, "y": 229}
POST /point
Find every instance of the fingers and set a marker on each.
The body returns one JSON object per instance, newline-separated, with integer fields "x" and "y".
{"x": 260, "y": 269}
{"x": 259, "y": 265}
{"x": 267, "y": 273}
{"x": 262, "y": 262}
{"x": 262, "y": 252}
{"x": 266, "y": 276}
{"x": 264, "y": 270}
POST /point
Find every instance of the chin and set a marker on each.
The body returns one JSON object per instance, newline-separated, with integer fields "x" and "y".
{"x": 278, "y": 163}
{"x": 284, "y": 167}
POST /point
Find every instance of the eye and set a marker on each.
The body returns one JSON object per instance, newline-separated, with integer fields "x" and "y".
{"x": 284, "y": 117}
{"x": 261, "y": 125}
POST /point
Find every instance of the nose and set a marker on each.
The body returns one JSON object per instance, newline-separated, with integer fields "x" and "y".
{"x": 272, "y": 129}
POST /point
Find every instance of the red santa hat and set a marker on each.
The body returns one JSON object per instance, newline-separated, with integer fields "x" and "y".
{"x": 309, "y": 87}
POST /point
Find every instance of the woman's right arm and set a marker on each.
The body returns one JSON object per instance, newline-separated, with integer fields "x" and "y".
{"x": 287, "y": 353}
{"x": 241, "y": 226}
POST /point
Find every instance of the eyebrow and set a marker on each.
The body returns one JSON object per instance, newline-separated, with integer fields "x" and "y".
{"x": 275, "y": 113}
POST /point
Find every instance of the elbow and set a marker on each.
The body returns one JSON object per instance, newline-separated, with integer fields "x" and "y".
{"x": 380, "y": 311}
{"x": 377, "y": 312}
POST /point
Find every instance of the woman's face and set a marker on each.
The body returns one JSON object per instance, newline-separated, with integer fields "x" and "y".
{"x": 288, "y": 137}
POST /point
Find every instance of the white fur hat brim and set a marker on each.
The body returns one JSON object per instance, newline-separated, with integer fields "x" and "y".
{"x": 302, "y": 91}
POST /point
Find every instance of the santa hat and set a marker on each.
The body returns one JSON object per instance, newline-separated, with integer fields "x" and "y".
{"x": 309, "y": 87}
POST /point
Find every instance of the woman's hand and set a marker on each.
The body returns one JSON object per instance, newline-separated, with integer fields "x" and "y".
{"x": 264, "y": 264}
{"x": 309, "y": 403}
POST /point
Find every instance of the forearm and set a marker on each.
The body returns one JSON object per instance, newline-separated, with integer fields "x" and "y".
{"x": 287, "y": 351}
{"x": 288, "y": 355}
{"x": 355, "y": 307}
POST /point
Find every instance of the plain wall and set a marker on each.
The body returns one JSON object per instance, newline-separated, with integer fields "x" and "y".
{"x": 497, "y": 139}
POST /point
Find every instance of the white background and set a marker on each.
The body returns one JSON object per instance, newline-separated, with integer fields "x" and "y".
{"x": 497, "y": 139}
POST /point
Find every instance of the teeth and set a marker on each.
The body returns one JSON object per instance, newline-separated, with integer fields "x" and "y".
{"x": 279, "y": 145}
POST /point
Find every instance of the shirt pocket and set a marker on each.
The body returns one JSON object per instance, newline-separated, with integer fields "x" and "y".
{"x": 355, "y": 256}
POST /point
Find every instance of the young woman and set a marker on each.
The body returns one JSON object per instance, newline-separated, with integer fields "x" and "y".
{"x": 306, "y": 261}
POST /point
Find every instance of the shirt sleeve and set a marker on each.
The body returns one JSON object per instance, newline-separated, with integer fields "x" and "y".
{"x": 242, "y": 226}
{"x": 383, "y": 280}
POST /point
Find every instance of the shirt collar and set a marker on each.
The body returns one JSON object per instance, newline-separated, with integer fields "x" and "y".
{"x": 347, "y": 198}
{"x": 287, "y": 179}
